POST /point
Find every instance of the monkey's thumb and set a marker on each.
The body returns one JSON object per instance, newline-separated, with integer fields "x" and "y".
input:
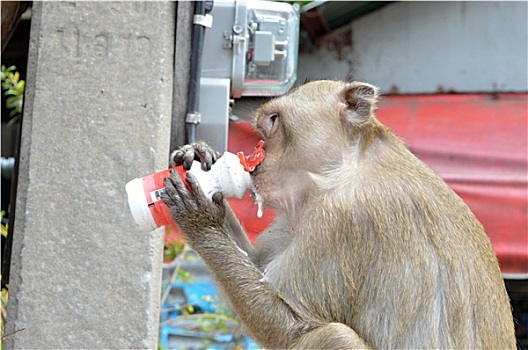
{"x": 218, "y": 200}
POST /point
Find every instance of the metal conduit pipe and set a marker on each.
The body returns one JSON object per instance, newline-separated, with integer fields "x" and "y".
{"x": 7, "y": 166}
{"x": 193, "y": 113}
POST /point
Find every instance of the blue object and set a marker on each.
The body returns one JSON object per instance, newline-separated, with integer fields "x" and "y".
{"x": 202, "y": 296}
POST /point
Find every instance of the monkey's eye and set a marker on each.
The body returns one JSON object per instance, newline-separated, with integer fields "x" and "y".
{"x": 273, "y": 122}
{"x": 273, "y": 118}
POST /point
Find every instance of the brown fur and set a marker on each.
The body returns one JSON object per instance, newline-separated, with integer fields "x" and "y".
{"x": 370, "y": 248}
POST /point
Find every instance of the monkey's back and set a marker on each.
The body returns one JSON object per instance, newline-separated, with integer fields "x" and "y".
{"x": 406, "y": 254}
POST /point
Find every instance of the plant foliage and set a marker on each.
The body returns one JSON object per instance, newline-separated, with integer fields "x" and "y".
{"x": 13, "y": 88}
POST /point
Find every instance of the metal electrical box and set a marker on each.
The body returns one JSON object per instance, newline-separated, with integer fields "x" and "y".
{"x": 214, "y": 107}
{"x": 250, "y": 50}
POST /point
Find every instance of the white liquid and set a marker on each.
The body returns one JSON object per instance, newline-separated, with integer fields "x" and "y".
{"x": 259, "y": 201}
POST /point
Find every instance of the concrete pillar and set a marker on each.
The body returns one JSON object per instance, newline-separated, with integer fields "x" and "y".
{"x": 97, "y": 114}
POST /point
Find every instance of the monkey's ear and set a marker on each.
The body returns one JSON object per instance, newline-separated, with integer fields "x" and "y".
{"x": 358, "y": 101}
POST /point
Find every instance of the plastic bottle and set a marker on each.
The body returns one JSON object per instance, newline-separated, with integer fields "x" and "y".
{"x": 229, "y": 175}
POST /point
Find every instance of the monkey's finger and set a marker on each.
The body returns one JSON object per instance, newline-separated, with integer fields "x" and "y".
{"x": 178, "y": 185}
{"x": 176, "y": 158}
{"x": 185, "y": 198}
{"x": 168, "y": 197}
{"x": 218, "y": 200}
{"x": 170, "y": 189}
{"x": 209, "y": 158}
{"x": 216, "y": 155}
{"x": 205, "y": 154}
{"x": 189, "y": 155}
{"x": 183, "y": 156}
{"x": 207, "y": 161}
{"x": 171, "y": 197}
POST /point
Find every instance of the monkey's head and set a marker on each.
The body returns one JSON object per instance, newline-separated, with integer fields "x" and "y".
{"x": 311, "y": 130}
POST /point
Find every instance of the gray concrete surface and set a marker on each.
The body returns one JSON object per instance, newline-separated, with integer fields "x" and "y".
{"x": 97, "y": 114}
{"x": 414, "y": 47}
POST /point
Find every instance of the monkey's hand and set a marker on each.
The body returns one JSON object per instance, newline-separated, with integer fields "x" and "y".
{"x": 199, "y": 151}
{"x": 192, "y": 211}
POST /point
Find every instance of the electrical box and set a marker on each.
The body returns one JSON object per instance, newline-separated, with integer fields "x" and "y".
{"x": 214, "y": 107}
{"x": 254, "y": 46}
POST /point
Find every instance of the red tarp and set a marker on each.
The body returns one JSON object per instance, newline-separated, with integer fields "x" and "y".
{"x": 476, "y": 143}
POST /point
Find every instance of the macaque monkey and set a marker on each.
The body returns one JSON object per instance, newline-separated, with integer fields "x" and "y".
{"x": 370, "y": 248}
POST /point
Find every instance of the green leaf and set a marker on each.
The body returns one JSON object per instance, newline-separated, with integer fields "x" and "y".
{"x": 10, "y": 91}
{"x": 11, "y": 102}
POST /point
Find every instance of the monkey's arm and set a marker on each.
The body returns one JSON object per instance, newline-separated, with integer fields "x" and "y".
{"x": 237, "y": 232}
{"x": 270, "y": 318}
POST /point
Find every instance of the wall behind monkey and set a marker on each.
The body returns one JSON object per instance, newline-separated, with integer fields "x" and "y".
{"x": 428, "y": 47}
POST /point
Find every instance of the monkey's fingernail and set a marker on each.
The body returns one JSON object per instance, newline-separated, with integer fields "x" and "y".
{"x": 206, "y": 166}
{"x": 178, "y": 156}
{"x": 217, "y": 198}
{"x": 187, "y": 165}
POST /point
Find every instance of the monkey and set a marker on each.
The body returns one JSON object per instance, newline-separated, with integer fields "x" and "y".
{"x": 369, "y": 249}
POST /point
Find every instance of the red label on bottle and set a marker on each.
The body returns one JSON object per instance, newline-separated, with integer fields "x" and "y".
{"x": 153, "y": 186}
